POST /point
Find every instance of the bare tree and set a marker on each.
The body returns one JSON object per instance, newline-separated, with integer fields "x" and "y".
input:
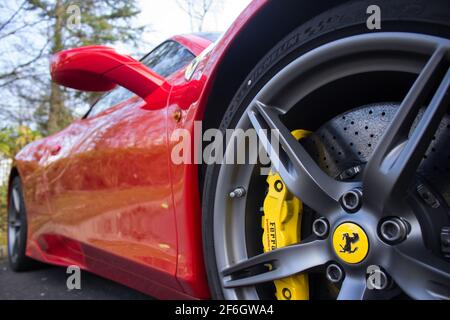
{"x": 31, "y": 31}
{"x": 197, "y": 10}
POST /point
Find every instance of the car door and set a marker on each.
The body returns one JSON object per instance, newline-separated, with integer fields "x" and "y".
{"x": 113, "y": 195}
{"x": 31, "y": 163}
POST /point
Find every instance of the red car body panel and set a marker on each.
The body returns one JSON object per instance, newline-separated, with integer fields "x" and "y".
{"x": 104, "y": 194}
{"x": 194, "y": 43}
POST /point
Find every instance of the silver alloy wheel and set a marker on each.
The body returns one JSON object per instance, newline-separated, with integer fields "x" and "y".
{"x": 14, "y": 224}
{"x": 396, "y": 52}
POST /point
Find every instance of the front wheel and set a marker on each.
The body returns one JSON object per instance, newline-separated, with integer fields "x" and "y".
{"x": 355, "y": 202}
{"x": 17, "y": 229}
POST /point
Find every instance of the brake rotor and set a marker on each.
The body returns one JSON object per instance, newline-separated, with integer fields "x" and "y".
{"x": 347, "y": 141}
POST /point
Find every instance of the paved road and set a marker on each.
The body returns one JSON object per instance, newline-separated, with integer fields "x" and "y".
{"x": 50, "y": 283}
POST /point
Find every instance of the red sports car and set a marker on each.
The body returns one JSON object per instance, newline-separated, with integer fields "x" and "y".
{"x": 353, "y": 202}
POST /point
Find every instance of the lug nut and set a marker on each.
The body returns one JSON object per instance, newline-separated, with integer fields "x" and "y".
{"x": 237, "y": 193}
{"x": 320, "y": 227}
{"x": 394, "y": 230}
{"x": 334, "y": 273}
{"x": 351, "y": 200}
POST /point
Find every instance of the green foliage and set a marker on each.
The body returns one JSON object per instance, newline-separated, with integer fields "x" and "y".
{"x": 104, "y": 22}
{"x": 12, "y": 140}
{"x": 101, "y": 21}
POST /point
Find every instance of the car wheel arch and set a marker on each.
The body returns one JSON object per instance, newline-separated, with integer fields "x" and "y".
{"x": 252, "y": 42}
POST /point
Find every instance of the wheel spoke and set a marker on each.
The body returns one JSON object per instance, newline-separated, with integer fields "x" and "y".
{"x": 420, "y": 275}
{"x": 16, "y": 200}
{"x": 399, "y": 153}
{"x": 283, "y": 262}
{"x": 354, "y": 287}
{"x": 299, "y": 172}
{"x": 11, "y": 239}
{"x": 16, "y": 243}
{"x": 16, "y": 224}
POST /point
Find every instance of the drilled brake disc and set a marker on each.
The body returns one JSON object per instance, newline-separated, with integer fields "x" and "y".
{"x": 347, "y": 141}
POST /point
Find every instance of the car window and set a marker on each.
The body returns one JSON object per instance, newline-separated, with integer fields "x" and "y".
{"x": 168, "y": 58}
{"x": 111, "y": 99}
{"x": 165, "y": 60}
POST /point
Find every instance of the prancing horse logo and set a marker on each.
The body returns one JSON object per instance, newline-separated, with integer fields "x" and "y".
{"x": 345, "y": 238}
{"x": 349, "y": 240}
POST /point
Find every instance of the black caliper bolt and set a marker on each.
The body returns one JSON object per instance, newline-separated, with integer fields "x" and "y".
{"x": 394, "y": 230}
{"x": 351, "y": 200}
{"x": 287, "y": 294}
{"x": 278, "y": 185}
{"x": 320, "y": 227}
{"x": 334, "y": 273}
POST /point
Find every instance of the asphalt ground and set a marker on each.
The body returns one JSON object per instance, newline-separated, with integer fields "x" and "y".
{"x": 49, "y": 282}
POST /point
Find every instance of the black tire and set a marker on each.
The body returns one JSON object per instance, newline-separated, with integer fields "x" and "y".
{"x": 18, "y": 260}
{"x": 421, "y": 16}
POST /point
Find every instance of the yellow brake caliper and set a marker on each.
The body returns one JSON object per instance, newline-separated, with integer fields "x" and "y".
{"x": 281, "y": 223}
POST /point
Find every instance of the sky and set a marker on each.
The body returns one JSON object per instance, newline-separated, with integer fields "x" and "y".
{"x": 166, "y": 18}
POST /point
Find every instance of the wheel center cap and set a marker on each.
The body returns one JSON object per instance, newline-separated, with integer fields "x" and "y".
{"x": 350, "y": 242}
